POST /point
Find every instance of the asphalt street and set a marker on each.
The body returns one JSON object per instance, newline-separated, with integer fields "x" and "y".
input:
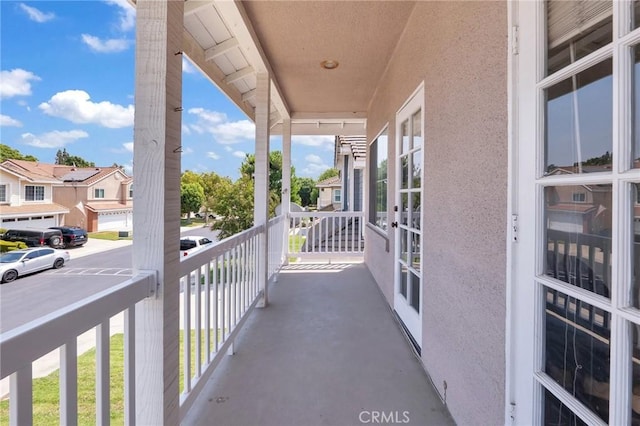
{"x": 33, "y": 296}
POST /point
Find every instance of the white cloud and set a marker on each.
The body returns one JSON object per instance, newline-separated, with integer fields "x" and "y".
{"x": 55, "y": 139}
{"x": 239, "y": 154}
{"x": 187, "y": 150}
{"x": 187, "y": 66}
{"x": 128, "y": 146}
{"x": 6, "y": 121}
{"x": 228, "y": 148}
{"x": 126, "y": 15}
{"x": 16, "y": 82}
{"x": 113, "y": 45}
{"x": 213, "y": 155}
{"x": 128, "y": 168}
{"x": 326, "y": 142}
{"x": 224, "y": 131}
{"x": 76, "y": 106}
{"x": 314, "y": 166}
{"x": 35, "y": 14}
{"x": 186, "y": 130}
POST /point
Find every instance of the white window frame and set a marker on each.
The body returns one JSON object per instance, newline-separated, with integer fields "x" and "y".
{"x": 7, "y": 193}
{"x": 35, "y": 193}
{"x": 98, "y": 193}
{"x": 374, "y": 180}
{"x": 337, "y": 195}
{"x": 525, "y": 315}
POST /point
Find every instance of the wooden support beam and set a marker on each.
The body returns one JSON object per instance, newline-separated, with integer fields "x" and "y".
{"x": 239, "y": 75}
{"x": 156, "y": 211}
{"x": 251, "y": 94}
{"x": 193, "y": 6}
{"x": 220, "y": 49}
{"x": 261, "y": 179}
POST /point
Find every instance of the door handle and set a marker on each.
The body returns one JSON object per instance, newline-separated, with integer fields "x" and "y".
{"x": 394, "y": 224}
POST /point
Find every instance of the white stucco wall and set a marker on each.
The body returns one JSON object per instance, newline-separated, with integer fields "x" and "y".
{"x": 459, "y": 49}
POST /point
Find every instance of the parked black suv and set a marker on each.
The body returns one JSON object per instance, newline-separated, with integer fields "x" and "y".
{"x": 72, "y": 236}
{"x": 35, "y": 237}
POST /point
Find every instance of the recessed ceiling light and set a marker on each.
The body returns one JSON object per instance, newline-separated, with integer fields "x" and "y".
{"x": 329, "y": 65}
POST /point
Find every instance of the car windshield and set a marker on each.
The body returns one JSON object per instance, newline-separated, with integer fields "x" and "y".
{"x": 10, "y": 257}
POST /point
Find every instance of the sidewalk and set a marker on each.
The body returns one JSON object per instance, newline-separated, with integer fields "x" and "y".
{"x": 95, "y": 245}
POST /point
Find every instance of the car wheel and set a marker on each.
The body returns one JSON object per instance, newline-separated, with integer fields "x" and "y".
{"x": 54, "y": 241}
{"x": 58, "y": 263}
{"x": 9, "y": 276}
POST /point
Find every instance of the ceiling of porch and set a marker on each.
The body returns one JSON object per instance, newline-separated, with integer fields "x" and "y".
{"x": 232, "y": 41}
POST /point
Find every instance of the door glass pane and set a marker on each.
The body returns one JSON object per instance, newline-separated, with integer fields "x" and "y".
{"x": 415, "y": 205}
{"x": 557, "y": 414}
{"x": 403, "y": 280}
{"x": 577, "y": 349}
{"x": 403, "y": 244}
{"x": 635, "y": 251}
{"x": 415, "y": 251}
{"x": 635, "y": 128}
{"x": 404, "y": 164}
{"x": 578, "y": 234}
{"x": 576, "y": 29}
{"x": 404, "y": 213}
{"x": 404, "y": 134}
{"x": 635, "y": 381}
{"x": 636, "y": 13}
{"x": 416, "y": 169}
{"x": 417, "y": 129}
{"x": 415, "y": 292}
{"x": 578, "y": 125}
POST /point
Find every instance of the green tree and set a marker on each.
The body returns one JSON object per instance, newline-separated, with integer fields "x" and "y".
{"x": 191, "y": 197}
{"x": 305, "y": 192}
{"x": 8, "y": 153}
{"x": 66, "y": 159}
{"x": 248, "y": 166}
{"x": 327, "y": 174}
{"x": 233, "y": 205}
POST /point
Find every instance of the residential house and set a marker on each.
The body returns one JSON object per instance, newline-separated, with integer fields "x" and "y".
{"x": 466, "y": 105}
{"x": 330, "y": 194}
{"x": 26, "y": 196}
{"x": 98, "y": 198}
{"x": 350, "y": 160}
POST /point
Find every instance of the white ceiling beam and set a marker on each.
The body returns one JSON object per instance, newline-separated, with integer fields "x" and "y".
{"x": 247, "y": 96}
{"x": 239, "y": 75}
{"x": 325, "y": 116}
{"x": 193, "y": 6}
{"x": 315, "y": 128}
{"x": 238, "y": 22}
{"x": 220, "y": 49}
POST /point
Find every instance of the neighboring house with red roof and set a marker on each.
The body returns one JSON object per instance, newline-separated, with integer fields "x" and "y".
{"x": 94, "y": 198}
{"x": 26, "y": 197}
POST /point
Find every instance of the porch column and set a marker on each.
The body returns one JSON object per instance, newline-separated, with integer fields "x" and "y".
{"x": 286, "y": 183}
{"x": 261, "y": 178}
{"x": 156, "y": 212}
{"x": 352, "y": 185}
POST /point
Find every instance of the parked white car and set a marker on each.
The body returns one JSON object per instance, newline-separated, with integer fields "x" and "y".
{"x": 191, "y": 244}
{"x": 17, "y": 263}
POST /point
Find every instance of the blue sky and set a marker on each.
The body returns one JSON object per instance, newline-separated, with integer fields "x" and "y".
{"x": 67, "y": 81}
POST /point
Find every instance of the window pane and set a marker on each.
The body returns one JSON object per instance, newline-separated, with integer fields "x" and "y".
{"x": 404, "y": 164}
{"x": 577, "y": 349}
{"x": 635, "y": 287}
{"x": 403, "y": 244}
{"x": 415, "y": 291}
{"x": 557, "y": 414}
{"x": 404, "y": 130}
{"x": 415, "y": 251}
{"x": 415, "y": 207}
{"x": 404, "y": 205}
{"x": 575, "y": 29}
{"x": 579, "y": 122}
{"x": 579, "y": 236}
{"x": 635, "y": 380}
{"x": 381, "y": 181}
{"x": 636, "y": 13}
{"x": 417, "y": 129}
{"x": 404, "y": 272}
{"x": 635, "y": 128}
{"x": 416, "y": 169}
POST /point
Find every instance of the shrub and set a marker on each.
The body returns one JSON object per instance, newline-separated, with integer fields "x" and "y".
{"x": 6, "y": 246}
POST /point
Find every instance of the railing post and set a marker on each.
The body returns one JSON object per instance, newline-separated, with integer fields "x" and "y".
{"x": 157, "y": 141}
{"x": 286, "y": 186}
{"x": 261, "y": 180}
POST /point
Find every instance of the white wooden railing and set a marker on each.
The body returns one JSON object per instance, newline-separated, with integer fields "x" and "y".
{"x": 20, "y": 347}
{"x": 220, "y": 287}
{"x": 326, "y": 234}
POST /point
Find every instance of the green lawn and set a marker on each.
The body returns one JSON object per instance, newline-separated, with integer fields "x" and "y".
{"x": 108, "y": 235}
{"x": 295, "y": 242}
{"x": 46, "y": 399}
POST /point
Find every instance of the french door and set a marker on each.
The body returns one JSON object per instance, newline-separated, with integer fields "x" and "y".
{"x": 408, "y": 220}
{"x": 575, "y": 305}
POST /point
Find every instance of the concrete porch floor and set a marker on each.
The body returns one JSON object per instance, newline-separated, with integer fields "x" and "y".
{"x": 326, "y": 351}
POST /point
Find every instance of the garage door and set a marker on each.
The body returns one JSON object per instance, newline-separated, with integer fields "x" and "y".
{"x": 29, "y": 222}
{"x": 112, "y": 221}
